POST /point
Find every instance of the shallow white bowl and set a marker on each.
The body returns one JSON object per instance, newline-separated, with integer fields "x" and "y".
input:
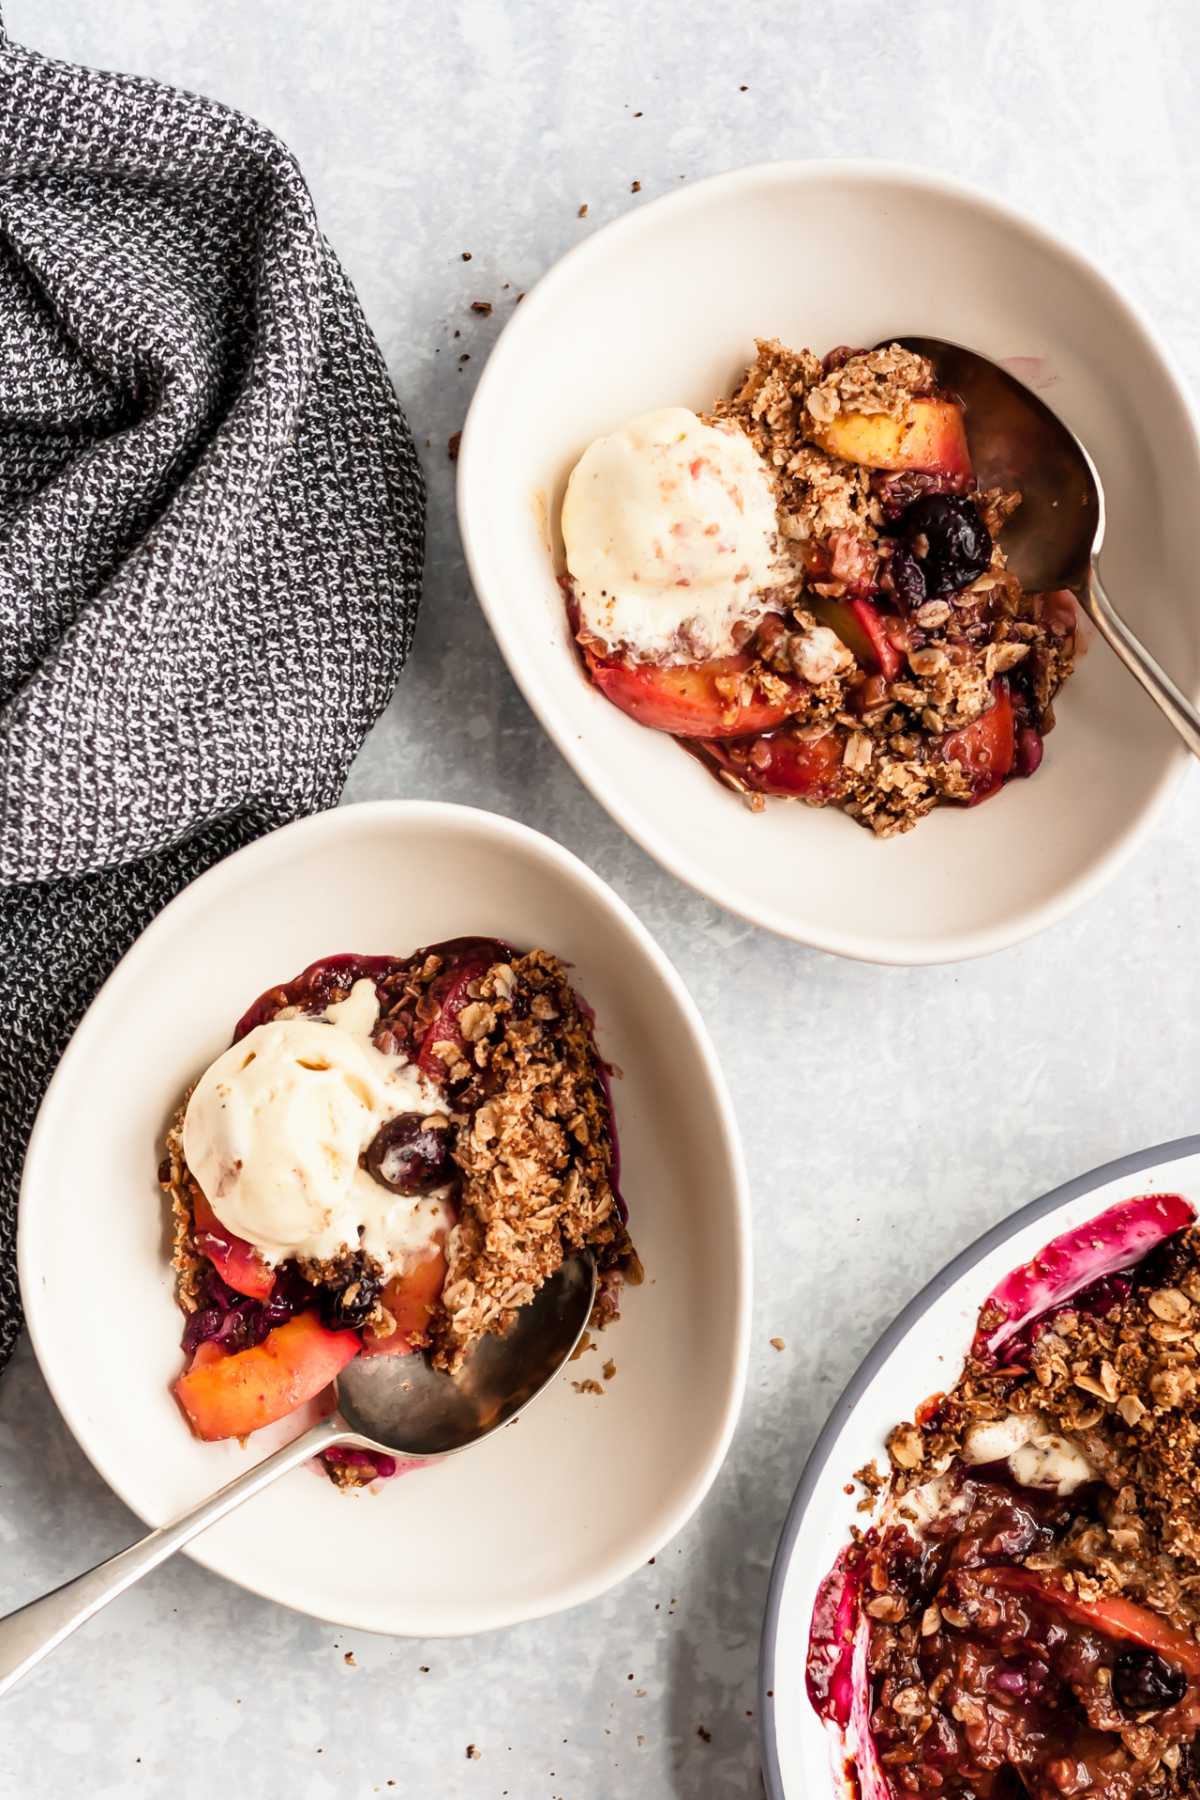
{"x": 919, "y": 1354}
{"x": 581, "y": 1490}
{"x": 663, "y": 307}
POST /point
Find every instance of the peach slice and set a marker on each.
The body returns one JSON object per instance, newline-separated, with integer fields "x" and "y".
{"x": 786, "y": 764}
{"x": 861, "y": 628}
{"x": 687, "y": 701}
{"x": 987, "y": 747}
{"x": 410, "y": 1297}
{"x": 237, "y": 1263}
{"x": 235, "y": 1395}
{"x": 931, "y": 436}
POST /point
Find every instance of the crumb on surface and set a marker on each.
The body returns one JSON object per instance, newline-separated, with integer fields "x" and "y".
{"x": 473, "y": 1752}
{"x": 482, "y": 307}
{"x": 635, "y": 187}
{"x": 777, "y": 1343}
{"x": 587, "y": 1387}
{"x": 609, "y": 1369}
{"x": 583, "y": 211}
{"x": 452, "y": 444}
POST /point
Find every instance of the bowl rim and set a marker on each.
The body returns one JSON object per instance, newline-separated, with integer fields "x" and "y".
{"x": 207, "y": 889}
{"x": 1119, "y": 1169}
{"x": 862, "y": 946}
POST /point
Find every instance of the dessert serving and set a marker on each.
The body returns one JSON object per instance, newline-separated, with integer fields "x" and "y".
{"x": 1022, "y": 1616}
{"x": 392, "y": 1156}
{"x": 808, "y": 590}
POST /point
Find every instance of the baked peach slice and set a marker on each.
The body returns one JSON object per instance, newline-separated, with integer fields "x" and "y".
{"x": 688, "y": 700}
{"x": 931, "y": 435}
{"x": 410, "y": 1297}
{"x": 231, "y": 1396}
{"x": 874, "y": 643}
{"x": 987, "y": 747}
{"x": 785, "y": 764}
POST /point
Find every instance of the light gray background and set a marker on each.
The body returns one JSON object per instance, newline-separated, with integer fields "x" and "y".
{"x": 426, "y": 130}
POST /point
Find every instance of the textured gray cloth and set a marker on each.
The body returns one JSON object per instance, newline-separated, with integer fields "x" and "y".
{"x": 211, "y": 532}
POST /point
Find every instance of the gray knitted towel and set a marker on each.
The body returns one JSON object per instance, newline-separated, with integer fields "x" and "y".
{"x": 211, "y": 532}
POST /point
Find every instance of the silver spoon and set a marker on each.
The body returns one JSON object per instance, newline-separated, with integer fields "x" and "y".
{"x": 398, "y": 1405}
{"x": 1054, "y": 538}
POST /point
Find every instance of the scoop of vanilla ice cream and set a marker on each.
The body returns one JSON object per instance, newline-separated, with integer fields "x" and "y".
{"x": 275, "y": 1127}
{"x": 671, "y": 534}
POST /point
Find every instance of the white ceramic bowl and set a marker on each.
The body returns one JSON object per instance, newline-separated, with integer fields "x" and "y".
{"x": 663, "y": 307}
{"x": 580, "y": 1491}
{"x": 919, "y": 1354}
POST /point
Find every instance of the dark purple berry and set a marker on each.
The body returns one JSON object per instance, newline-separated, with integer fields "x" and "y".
{"x": 409, "y": 1155}
{"x": 907, "y": 579}
{"x": 351, "y": 1305}
{"x": 1144, "y": 1683}
{"x": 949, "y": 540}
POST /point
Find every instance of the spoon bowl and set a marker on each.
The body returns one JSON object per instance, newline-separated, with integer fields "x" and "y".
{"x": 405, "y": 1407}
{"x": 1055, "y": 536}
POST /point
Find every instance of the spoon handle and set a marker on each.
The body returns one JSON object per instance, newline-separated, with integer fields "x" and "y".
{"x": 1176, "y": 707}
{"x": 34, "y": 1630}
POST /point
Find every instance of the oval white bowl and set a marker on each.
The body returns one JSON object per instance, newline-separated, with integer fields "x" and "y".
{"x": 919, "y": 1354}
{"x": 662, "y": 307}
{"x": 581, "y": 1490}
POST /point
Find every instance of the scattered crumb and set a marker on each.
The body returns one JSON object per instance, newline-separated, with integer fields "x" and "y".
{"x": 635, "y": 187}
{"x": 641, "y": 1740}
{"x": 452, "y": 443}
{"x": 483, "y": 307}
{"x": 466, "y": 256}
{"x": 520, "y": 297}
{"x": 609, "y": 1369}
{"x": 778, "y": 1344}
{"x": 349, "y": 1661}
{"x": 704, "y": 1734}
{"x": 424, "y": 1670}
{"x": 639, "y": 1693}
{"x": 743, "y": 89}
{"x": 587, "y": 1387}
{"x": 457, "y": 332}
{"x": 585, "y": 1343}
{"x": 465, "y": 356}
{"x": 473, "y": 1752}
{"x": 582, "y": 213}
{"x": 637, "y": 115}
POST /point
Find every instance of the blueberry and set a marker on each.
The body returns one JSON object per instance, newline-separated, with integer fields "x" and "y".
{"x": 949, "y": 539}
{"x": 351, "y": 1305}
{"x": 409, "y": 1155}
{"x": 1144, "y": 1683}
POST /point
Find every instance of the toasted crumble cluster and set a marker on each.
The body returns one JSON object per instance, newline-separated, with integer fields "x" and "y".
{"x": 535, "y": 1157}
{"x": 834, "y": 515}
